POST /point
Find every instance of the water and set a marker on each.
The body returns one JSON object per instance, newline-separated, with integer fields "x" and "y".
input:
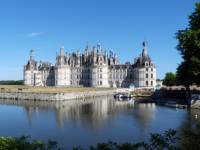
{"x": 87, "y": 122}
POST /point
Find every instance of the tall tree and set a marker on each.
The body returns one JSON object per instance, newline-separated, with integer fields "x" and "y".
{"x": 170, "y": 79}
{"x": 188, "y": 72}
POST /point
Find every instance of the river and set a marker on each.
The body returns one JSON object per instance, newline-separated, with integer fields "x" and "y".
{"x": 87, "y": 122}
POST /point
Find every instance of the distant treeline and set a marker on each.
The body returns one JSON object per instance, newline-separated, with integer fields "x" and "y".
{"x": 11, "y": 82}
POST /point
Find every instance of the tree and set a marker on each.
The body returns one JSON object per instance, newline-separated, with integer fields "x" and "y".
{"x": 188, "y": 72}
{"x": 11, "y": 82}
{"x": 170, "y": 79}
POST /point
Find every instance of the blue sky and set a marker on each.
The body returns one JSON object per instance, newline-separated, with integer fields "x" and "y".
{"x": 121, "y": 25}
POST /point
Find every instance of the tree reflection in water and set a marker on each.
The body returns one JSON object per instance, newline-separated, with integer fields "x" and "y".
{"x": 190, "y": 131}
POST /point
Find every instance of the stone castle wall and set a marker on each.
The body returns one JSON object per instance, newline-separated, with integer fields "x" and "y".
{"x": 53, "y": 96}
{"x": 93, "y": 68}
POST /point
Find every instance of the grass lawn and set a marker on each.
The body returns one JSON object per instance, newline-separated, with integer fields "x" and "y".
{"x": 23, "y": 88}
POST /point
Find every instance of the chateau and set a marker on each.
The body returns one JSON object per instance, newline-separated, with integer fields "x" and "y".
{"x": 93, "y": 68}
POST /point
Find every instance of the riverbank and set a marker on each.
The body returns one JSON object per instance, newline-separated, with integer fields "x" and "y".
{"x": 51, "y": 93}
{"x": 32, "y": 89}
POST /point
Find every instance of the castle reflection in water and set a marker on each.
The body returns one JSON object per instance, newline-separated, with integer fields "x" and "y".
{"x": 91, "y": 113}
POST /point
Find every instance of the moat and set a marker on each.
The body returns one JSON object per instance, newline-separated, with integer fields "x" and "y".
{"x": 87, "y": 122}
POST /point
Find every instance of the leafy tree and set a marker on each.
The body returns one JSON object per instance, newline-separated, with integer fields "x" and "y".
{"x": 188, "y": 72}
{"x": 170, "y": 79}
{"x": 26, "y": 143}
{"x": 11, "y": 82}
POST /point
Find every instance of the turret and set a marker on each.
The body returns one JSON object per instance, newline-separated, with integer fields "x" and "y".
{"x": 78, "y": 58}
{"x": 98, "y": 47}
{"x": 144, "y": 50}
{"x": 31, "y": 54}
{"x": 62, "y": 70}
{"x": 87, "y": 49}
{"x": 61, "y": 58}
{"x": 32, "y": 75}
{"x": 62, "y": 51}
{"x": 116, "y": 59}
{"x": 94, "y": 56}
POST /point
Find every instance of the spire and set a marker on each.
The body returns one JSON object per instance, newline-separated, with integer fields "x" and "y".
{"x": 144, "y": 56}
{"x": 87, "y": 48}
{"x": 111, "y": 53}
{"x": 94, "y": 49}
{"x": 78, "y": 52}
{"x": 62, "y": 51}
{"x": 99, "y": 47}
{"x": 144, "y": 50}
{"x": 31, "y": 54}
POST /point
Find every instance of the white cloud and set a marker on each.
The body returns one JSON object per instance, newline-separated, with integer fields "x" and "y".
{"x": 33, "y": 34}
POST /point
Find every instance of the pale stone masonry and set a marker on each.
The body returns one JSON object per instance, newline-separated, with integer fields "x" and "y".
{"x": 93, "y": 68}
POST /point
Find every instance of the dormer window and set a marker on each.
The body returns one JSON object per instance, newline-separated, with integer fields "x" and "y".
{"x": 146, "y": 64}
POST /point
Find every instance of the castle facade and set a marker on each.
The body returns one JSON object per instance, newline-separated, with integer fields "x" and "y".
{"x": 93, "y": 68}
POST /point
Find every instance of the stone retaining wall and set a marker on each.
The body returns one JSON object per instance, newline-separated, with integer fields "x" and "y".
{"x": 53, "y": 96}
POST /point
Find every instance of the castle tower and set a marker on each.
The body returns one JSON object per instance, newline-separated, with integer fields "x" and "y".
{"x": 32, "y": 76}
{"x": 99, "y": 70}
{"x": 145, "y": 70}
{"x": 62, "y": 70}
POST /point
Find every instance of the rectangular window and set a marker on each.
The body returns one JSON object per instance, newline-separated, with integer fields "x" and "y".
{"x": 146, "y": 64}
{"x": 151, "y": 75}
{"x": 147, "y": 76}
{"x": 151, "y": 69}
{"x": 147, "y": 83}
{"x": 146, "y": 69}
{"x": 151, "y": 83}
{"x": 100, "y": 82}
